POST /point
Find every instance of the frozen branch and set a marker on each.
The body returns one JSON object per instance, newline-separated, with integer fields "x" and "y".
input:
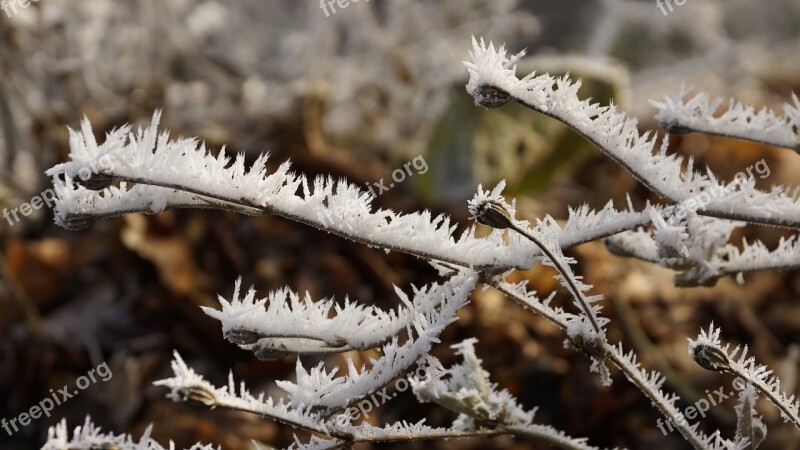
{"x": 90, "y": 437}
{"x": 156, "y": 174}
{"x": 466, "y": 388}
{"x": 285, "y": 323}
{"x": 489, "y": 208}
{"x": 182, "y": 173}
{"x": 681, "y": 115}
{"x": 187, "y": 385}
{"x": 757, "y": 257}
{"x": 649, "y": 383}
{"x": 707, "y": 350}
{"x": 493, "y": 82}
{"x": 320, "y": 389}
{"x": 706, "y": 255}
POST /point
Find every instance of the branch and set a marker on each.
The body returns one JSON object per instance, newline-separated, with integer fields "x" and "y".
{"x": 187, "y": 385}
{"x": 155, "y": 174}
{"x": 648, "y": 382}
{"x": 708, "y": 352}
{"x": 679, "y": 115}
{"x": 757, "y": 257}
{"x": 320, "y": 389}
{"x": 490, "y": 209}
{"x": 284, "y": 323}
{"x": 709, "y": 260}
{"x": 181, "y": 173}
{"x": 493, "y": 82}
{"x": 90, "y": 437}
{"x": 466, "y": 388}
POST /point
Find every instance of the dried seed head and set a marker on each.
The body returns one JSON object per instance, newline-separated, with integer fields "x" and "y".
{"x": 267, "y": 353}
{"x": 674, "y": 128}
{"x": 490, "y": 96}
{"x": 710, "y": 358}
{"x": 494, "y": 214}
{"x": 97, "y": 181}
{"x": 104, "y": 446}
{"x": 200, "y": 395}
{"x": 240, "y": 336}
{"x": 77, "y": 222}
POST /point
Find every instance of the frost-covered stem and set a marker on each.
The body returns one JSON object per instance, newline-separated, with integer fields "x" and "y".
{"x": 493, "y": 82}
{"x": 242, "y": 205}
{"x": 666, "y": 407}
{"x": 708, "y": 351}
{"x": 490, "y": 209}
{"x": 773, "y": 397}
{"x": 537, "y": 307}
{"x": 614, "y": 353}
{"x": 682, "y": 114}
{"x": 720, "y": 214}
{"x": 546, "y": 433}
{"x": 188, "y": 385}
{"x": 741, "y": 136}
{"x": 533, "y": 431}
{"x": 569, "y": 277}
{"x": 446, "y": 434}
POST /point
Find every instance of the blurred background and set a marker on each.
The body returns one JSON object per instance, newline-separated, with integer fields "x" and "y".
{"x": 357, "y": 93}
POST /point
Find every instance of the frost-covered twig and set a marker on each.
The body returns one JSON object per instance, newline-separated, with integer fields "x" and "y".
{"x": 320, "y": 389}
{"x": 187, "y": 385}
{"x": 489, "y": 208}
{"x": 157, "y": 174}
{"x": 90, "y": 437}
{"x": 400, "y": 432}
{"x": 648, "y": 382}
{"x": 285, "y": 323}
{"x": 707, "y": 350}
{"x": 181, "y": 171}
{"x": 704, "y": 269}
{"x": 681, "y": 115}
{"x": 757, "y": 257}
{"x": 466, "y": 388}
{"x": 493, "y": 82}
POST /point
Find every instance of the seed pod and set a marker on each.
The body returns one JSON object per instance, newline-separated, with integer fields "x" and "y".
{"x": 200, "y": 395}
{"x": 240, "y": 336}
{"x": 673, "y": 128}
{"x": 77, "y": 222}
{"x": 104, "y": 446}
{"x": 97, "y": 181}
{"x": 493, "y": 214}
{"x": 710, "y": 358}
{"x": 490, "y": 96}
